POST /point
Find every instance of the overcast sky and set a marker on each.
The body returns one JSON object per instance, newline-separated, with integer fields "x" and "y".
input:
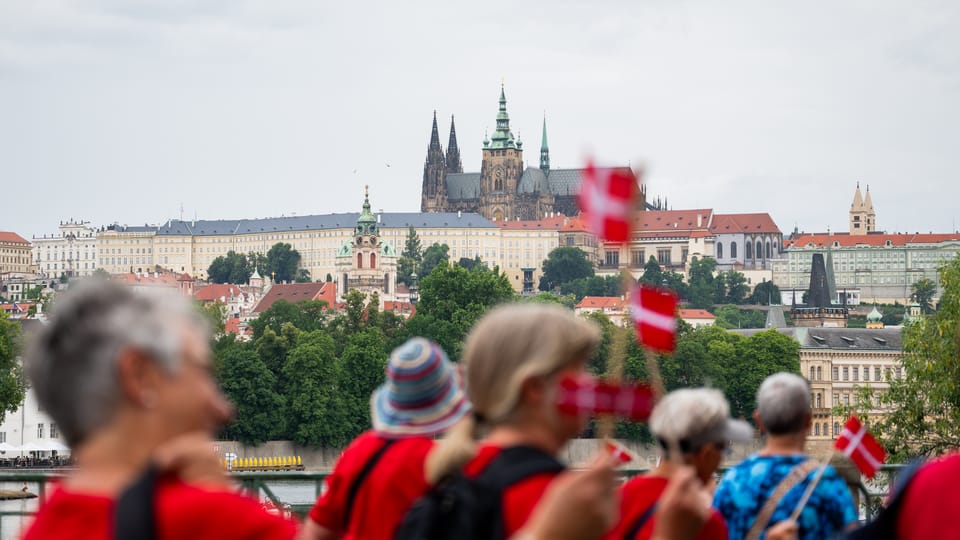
{"x": 124, "y": 110}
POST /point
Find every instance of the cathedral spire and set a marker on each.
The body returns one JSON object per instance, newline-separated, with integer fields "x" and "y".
{"x": 435, "y": 134}
{"x": 502, "y": 137}
{"x": 453, "y": 151}
{"x": 544, "y": 150}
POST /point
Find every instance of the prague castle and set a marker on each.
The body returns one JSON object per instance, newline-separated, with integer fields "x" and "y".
{"x": 504, "y": 189}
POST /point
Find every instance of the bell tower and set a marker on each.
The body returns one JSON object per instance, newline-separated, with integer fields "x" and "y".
{"x": 500, "y": 169}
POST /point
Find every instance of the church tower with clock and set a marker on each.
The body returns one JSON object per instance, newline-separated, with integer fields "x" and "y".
{"x": 500, "y": 169}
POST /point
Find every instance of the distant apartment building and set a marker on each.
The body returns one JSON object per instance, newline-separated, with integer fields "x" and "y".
{"x": 71, "y": 252}
{"x": 866, "y": 266}
{"x": 15, "y": 256}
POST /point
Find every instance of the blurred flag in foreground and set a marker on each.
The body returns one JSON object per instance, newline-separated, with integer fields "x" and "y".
{"x": 858, "y": 444}
{"x": 606, "y": 199}
{"x": 616, "y": 450}
{"x": 653, "y": 311}
{"x": 587, "y": 395}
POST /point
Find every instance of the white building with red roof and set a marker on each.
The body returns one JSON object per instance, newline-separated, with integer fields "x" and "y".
{"x": 611, "y": 306}
{"x": 696, "y": 317}
{"x": 865, "y": 266}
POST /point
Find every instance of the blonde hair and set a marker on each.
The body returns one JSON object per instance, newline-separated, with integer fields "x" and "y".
{"x": 509, "y": 345}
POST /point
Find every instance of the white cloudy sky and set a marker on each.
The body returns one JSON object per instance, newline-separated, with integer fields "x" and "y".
{"x": 122, "y": 110}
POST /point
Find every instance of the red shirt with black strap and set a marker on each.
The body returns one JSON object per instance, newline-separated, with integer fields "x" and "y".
{"x": 518, "y": 500}
{"x": 182, "y": 511}
{"x": 391, "y": 487}
{"x": 639, "y": 494}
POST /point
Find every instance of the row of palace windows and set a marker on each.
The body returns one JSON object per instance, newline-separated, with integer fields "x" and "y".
{"x": 845, "y": 373}
{"x": 750, "y": 251}
{"x": 816, "y": 429}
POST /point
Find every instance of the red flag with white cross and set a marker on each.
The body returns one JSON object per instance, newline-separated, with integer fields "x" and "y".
{"x": 606, "y": 200}
{"x": 858, "y": 444}
{"x": 653, "y": 311}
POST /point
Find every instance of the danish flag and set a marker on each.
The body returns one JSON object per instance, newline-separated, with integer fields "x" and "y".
{"x": 653, "y": 312}
{"x": 588, "y": 395}
{"x": 614, "y": 449}
{"x": 606, "y": 198}
{"x": 859, "y": 445}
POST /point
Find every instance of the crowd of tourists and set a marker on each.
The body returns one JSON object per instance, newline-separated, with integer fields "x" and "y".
{"x": 128, "y": 377}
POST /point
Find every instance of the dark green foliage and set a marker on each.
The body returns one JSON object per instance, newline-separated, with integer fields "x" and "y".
{"x": 922, "y": 292}
{"x": 731, "y": 317}
{"x": 764, "y": 293}
{"x": 410, "y": 259}
{"x": 432, "y": 257}
{"x": 12, "y": 382}
{"x": 230, "y": 268}
{"x": 563, "y": 265}
{"x": 306, "y": 316}
{"x": 248, "y": 382}
{"x": 283, "y": 262}
{"x": 593, "y": 286}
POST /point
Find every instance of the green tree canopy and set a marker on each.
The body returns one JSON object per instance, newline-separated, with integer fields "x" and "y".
{"x": 593, "y": 286}
{"x": 765, "y": 293}
{"x": 248, "y": 382}
{"x": 452, "y": 298}
{"x": 306, "y": 316}
{"x": 315, "y": 406}
{"x": 732, "y": 288}
{"x": 922, "y": 293}
{"x": 432, "y": 257}
{"x": 230, "y": 268}
{"x": 12, "y": 383}
{"x": 701, "y": 290}
{"x": 410, "y": 258}
{"x": 283, "y": 262}
{"x": 563, "y": 265}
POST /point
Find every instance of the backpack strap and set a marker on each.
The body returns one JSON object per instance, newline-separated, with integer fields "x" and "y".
{"x": 133, "y": 517}
{"x": 361, "y": 476}
{"x": 797, "y": 474}
{"x": 638, "y": 523}
{"x": 518, "y": 463}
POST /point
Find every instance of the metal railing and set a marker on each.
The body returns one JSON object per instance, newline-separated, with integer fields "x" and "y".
{"x": 869, "y": 494}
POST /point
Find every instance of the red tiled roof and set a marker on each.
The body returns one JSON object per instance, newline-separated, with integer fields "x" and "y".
{"x": 403, "y": 308}
{"x": 673, "y": 220}
{"x": 298, "y": 292}
{"x": 741, "y": 223}
{"x": 695, "y": 314}
{"x": 12, "y": 237}
{"x": 216, "y": 291}
{"x": 612, "y": 302}
{"x": 184, "y": 277}
{"x": 162, "y": 280}
{"x": 21, "y": 307}
{"x": 555, "y": 223}
{"x": 232, "y": 326}
{"x": 875, "y": 240}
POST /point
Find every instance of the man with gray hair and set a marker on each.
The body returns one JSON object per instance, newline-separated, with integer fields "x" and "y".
{"x": 765, "y": 488}
{"x": 128, "y": 377}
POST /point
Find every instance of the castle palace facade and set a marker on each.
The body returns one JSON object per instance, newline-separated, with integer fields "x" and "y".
{"x": 504, "y": 189}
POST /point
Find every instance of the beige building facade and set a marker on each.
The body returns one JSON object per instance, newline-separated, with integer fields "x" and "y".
{"x": 16, "y": 257}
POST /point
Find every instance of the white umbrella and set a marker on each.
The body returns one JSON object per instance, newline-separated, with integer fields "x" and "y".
{"x": 6, "y": 447}
{"x": 53, "y": 445}
{"x": 31, "y": 447}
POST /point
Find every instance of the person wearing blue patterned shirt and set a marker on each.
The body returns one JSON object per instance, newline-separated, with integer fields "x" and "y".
{"x": 781, "y": 472}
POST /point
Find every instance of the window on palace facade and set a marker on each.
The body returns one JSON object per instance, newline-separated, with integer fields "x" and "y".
{"x": 611, "y": 258}
{"x": 819, "y": 373}
{"x": 39, "y": 431}
{"x": 819, "y": 400}
{"x": 899, "y": 373}
{"x": 719, "y": 250}
{"x": 749, "y": 252}
{"x": 836, "y": 428}
{"x": 636, "y": 257}
{"x": 816, "y": 429}
{"x": 836, "y": 399}
{"x": 733, "y": 250}
{"x": 836, "y": 373}
{"x": 53, "y": 431}
{"x": 759, "y": 251}
{"x": 846, "y": 399}
{"x": 663, "y": 257}
{"x": 876, "y": 374}
{"x": 846, "y": 374}
{"x": 3, "y": 436}
{"x": 813, "y": 372}
{"x": 856, "y": 374}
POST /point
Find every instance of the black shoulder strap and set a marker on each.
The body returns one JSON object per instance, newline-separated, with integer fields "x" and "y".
{"x": 361, "y": 476}
{"x": 133, "y": 517}
{"x": 517, "y": 463}
{"x": 640, "y": 522}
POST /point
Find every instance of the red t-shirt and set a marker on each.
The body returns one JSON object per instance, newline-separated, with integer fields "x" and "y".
{"x": 388, "y": 491}
{"x": 639, "y": 494}
{"x": 931, "y": 500}
{"x": 518, "y": 500}
{"x": 182, "y": 511}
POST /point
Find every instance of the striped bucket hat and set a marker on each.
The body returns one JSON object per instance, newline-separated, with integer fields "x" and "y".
{"x": 422, "y": 395}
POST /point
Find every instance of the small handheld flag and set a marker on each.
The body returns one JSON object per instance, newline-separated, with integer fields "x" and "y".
{"x": 579, "y": 395}
{"x": 653, "y": 312}
{"x": 606, "y": 199}
{"x": 616, "y": 450}
{"x": 858, "y": 444}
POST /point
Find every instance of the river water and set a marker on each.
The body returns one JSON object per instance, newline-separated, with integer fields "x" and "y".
{"x": 10, "y": 526}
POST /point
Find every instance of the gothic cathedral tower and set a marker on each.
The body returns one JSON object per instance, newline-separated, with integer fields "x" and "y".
{"x": 863, "y": 219}
{"x": 434, "y": 198}
{"x": 501, "y": 169}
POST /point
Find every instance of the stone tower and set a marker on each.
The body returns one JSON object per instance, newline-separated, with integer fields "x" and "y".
{"x": 367, "y": 262}
{"x": 501, "y": 168}
{"x": 862, "y": 216}
{"x": 434, "y": 198}
{"x": 544, "y": 150}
